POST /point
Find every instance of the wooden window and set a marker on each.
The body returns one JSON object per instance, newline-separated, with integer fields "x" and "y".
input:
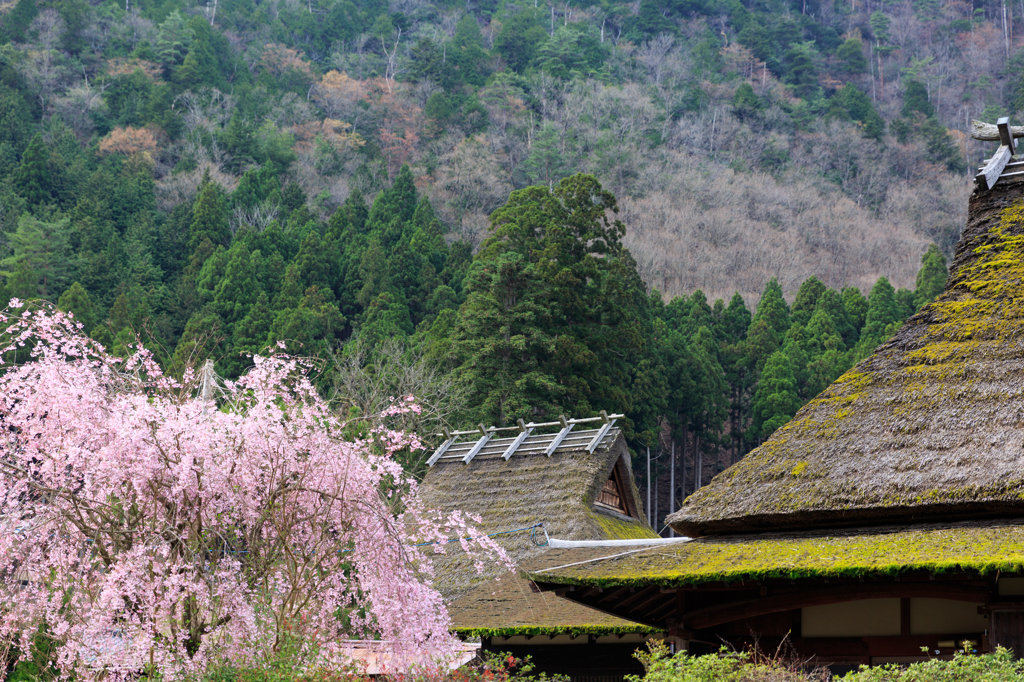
{"x": 611, "y": 496}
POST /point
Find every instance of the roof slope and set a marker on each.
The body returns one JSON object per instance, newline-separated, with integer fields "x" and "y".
{"x": 559, "y": 491}
{"x": 929, "y": 427}
{"x": 983, "y": 547}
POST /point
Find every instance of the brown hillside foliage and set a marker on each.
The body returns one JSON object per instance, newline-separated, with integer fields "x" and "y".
{"x": 129, "y": 141}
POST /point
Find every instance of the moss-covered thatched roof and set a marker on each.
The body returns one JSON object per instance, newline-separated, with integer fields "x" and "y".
{"x": 559, "y": 491}
{"x": 929, "y": 427}
{"x": 982, "y": 547}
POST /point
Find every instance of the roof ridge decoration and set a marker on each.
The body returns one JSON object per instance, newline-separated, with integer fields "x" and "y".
{"x": 526, "y": 442}
{"x": 929, "y": 428}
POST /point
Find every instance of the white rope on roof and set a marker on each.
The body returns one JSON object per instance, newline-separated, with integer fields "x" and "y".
{"x": 610, "y": 556}
{"x": 555, "y": 543}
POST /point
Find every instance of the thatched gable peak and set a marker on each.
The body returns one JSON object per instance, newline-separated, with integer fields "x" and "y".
{"x": 930, "y": 427}
{"x": 576, "y": 494}
{"x": 568, "y": 493}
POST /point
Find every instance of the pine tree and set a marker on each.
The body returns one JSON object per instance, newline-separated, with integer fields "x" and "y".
{"x": 239, "y": 287}
{"x": 209, "y": 215}
{"x": 746, "y": 105}
{"x": 76, "y": 301}
{"x": 801, "y": 72}
{"x": 807, "y": 300}
{"x": 203, "y": 338}
{"x": 468, "y": 53}
{"x": 905, "y": 304}
{"x": 850, "y": 56}
{"x": 173, "y": 40}
{"x": 776, "y": 400}
{"x": 250, "y": 336}
{"x": 931, "y": 278}
{"x": 856, "y": 306}
{"x": 772, "y": 308}
{"x": 40, "y": 248}
{"x": 915, "y": 100}
{"x": 312, "y": 328}
{"x": 849, "y": 102}
{"x": 32, "y": 179}
{"x": 883, "y": 310}
{"x": 827, "y": 356}
{"x": 831, "y": 303}
{"x": 545, "y": 165}
{"x": 395, "y": 205}
{"x": 501, "y": 344}
{"x": 387, "y": 317}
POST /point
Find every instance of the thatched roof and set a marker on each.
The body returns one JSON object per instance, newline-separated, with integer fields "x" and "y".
{"x": 560, "y": 491}
{"x": 930, "y": 427}
{"x": 978, "y": 547}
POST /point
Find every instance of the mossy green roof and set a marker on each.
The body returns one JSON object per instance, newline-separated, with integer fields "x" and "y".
{"x": 978, "y": 547}
{"x": 929, "y": 427}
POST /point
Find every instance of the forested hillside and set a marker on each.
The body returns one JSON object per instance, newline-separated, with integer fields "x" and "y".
{"x": 393, "y": 187}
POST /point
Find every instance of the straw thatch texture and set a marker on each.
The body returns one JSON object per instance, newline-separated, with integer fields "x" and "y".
{"x": 984, "y": 547}
{"x": 929, "y": 427}
{"x": 558, "y": 491}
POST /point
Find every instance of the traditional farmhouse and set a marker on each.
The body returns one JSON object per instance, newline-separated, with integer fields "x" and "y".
{"x": 575, "y": 485}
{"x": 887, "y": 517}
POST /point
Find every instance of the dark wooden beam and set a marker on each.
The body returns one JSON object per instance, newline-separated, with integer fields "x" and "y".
{"x": 572, "y": 596}
{"x": 710, "y": 616}
{"x": 613, "y": 595}
{"x": 638, "y": 595}
{"x": 653, "y": 599}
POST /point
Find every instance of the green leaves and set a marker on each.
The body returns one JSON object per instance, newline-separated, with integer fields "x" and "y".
{"x": 556, "y": 317}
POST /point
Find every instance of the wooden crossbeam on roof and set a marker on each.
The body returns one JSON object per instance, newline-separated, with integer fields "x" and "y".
{"x": 527, "y": 441}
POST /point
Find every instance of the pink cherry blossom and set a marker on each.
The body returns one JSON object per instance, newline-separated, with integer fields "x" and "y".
{"x": 145, "y": 525}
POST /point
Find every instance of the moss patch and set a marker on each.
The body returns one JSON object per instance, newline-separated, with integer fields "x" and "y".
{"x": 982, "y": 550}
{"x": 620, "y": 529}
{"x": 575, "y": 630}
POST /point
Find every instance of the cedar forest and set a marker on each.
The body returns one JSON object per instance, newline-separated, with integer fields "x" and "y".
{"x": 519, "y": 208}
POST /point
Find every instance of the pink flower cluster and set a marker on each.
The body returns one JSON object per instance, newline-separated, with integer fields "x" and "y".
{"x": 145, "y": 526}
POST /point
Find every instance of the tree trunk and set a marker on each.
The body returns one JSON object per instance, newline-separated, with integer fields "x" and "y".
{"x": 672, "y": 485}
{"x": 699, "y": 460}
{"x": 648, "y": 510}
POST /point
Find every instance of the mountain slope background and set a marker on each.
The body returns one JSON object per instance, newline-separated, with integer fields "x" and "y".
{"x": 745, "y": 140}
{"x": 696, "y": 212}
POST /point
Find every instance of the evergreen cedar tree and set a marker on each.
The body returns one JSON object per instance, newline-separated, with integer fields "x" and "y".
{"x": 550, "y": 316}
{"x": 145, "y": 525}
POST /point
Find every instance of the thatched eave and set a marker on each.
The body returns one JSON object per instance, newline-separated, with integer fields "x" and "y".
{"x": 980, "y": 548}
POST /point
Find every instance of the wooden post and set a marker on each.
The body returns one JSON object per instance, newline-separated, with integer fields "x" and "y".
{"x": 989, "y": 175}
{"x": 1005, "y": 134}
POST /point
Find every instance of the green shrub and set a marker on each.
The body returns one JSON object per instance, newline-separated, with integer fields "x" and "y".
{"x": 731, "y": 666}
{"x": 996, "y": 667}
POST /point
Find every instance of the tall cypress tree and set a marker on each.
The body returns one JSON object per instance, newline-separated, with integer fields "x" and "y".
{"x": 931, "y": 278}
{"x": 772, "y": 308}
{"x": 209, "y": 215}
{"x": 76, "y": 301}
{"x": 776, "y": 400}
{"x": 501, "y": 341}
{"x": 883, "y": 311}
{"x": 32, "y": 179}
{"x": 807, "y": 300}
